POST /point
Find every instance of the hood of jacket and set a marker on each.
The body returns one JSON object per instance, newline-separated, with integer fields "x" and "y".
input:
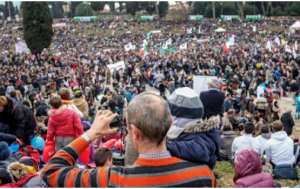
{"x": 59, "y": 114}
{"x": 286, "y": 116}
{"x": 247, "y": 163}
{"x": 11, "y": 105}
{"x": 78, "y": 102}
{"x": 204, "y": 125}
{"x": 266, "y": 135}
{"x": 280, "y": 135}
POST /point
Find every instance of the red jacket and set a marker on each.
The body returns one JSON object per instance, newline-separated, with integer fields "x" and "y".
{"x": 63, "y": 122}
{"x": 248, "y": 172}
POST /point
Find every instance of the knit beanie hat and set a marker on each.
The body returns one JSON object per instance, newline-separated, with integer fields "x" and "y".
{"x": 186, "y": 108}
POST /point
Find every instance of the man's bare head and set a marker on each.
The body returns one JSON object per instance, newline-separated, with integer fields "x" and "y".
{"x": 151, "y": 115}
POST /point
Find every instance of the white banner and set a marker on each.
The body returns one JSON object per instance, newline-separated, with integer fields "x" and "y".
{"x": 200, "y": 83}
{"x": 156, "y": 31}
{"x": 59, "y": 25}
{"x": 21, "y": 47}
{"x": 202, "y": 40}
{"x": 254, "y": 28}
{"x": 116, "y": 66}
{"x": 183, "y": 46}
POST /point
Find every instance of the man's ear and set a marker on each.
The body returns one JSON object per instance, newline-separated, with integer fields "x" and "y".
{"x": 171, "y": 122}
{"x": 136, "y": 133}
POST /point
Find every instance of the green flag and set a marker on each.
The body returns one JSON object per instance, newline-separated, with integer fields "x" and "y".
{"x": 167, "y": 51}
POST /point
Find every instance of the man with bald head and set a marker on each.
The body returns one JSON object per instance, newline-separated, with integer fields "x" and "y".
{"x": 148, "y": 121}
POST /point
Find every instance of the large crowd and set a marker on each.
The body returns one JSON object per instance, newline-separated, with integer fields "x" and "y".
{"x": 69, "y": 120}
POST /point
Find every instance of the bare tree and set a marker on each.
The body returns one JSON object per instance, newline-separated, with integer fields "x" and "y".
{"x": 263, "y": 8}
{"x": 240, "y": 9}
{"x": 156, "y": 8}
{"x": 183, "y": 8}
{"x": 213, "y": 10}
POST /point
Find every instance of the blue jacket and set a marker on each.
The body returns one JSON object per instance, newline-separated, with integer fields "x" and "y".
{"x": 277, "y": 74}
{"x": 4, "y": 136}
{"x": 42, "y": 110}
{"x": 199, "y": 144}
{"x": 7, "y": 137}
{"x": 227, "y": 105}
{"x": 297, "y": 101}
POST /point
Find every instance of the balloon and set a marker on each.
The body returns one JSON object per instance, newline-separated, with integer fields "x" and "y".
{"x": 110, "y": 143}
{"x": 14, "y": 147}
{"x": 86, "y": 123}
{"x": 38, "y": 143}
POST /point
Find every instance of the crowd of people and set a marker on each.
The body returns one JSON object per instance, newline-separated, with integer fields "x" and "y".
{"x": 125, "y": 127}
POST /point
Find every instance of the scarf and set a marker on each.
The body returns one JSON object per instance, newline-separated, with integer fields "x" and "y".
{"x": 67, "y": 102}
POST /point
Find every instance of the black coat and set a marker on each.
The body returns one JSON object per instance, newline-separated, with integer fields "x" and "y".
{"x": 19, "y": 118}
{"x": 42, "y": 110}
{"x": 288, "y": 123}
{"x": 4, "y": 135}
{"x": 212, "y": 101}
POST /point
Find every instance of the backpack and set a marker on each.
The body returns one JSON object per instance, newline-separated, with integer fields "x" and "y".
{"x": 20, "y": 183}
{"x": 29, "y": 161}
{"x": 29, "y": 152}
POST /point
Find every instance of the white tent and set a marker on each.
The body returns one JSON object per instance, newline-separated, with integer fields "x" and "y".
{"x": 295, "y": 25}
{"x": 220, "y": 30}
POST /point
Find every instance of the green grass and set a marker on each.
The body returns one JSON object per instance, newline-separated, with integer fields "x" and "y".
{"x": 225, "y": 170}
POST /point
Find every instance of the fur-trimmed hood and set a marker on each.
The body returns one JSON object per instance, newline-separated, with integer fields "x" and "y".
{"x": 53, "y": 112}
{"x": 204, "y": 125}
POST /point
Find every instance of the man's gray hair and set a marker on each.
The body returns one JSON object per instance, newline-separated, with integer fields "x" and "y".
{"x": 214, "y": 83}
{"x": 151, "y": 115}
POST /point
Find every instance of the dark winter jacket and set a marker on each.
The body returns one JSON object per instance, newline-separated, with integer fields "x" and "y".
{"x": 19, "y": 118}
{"x": 288, "y": 123}
{"x": 42, "y": 110}
{"x": 212, "y": 101}
{"x": 199, "y": 143}
{"x": 4, "y": 135}
{"x": 2, "y": 91}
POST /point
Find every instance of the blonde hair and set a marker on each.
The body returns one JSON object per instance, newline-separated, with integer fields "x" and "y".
{"x": 3, "y": 101}
{"x": 19, "y": 95}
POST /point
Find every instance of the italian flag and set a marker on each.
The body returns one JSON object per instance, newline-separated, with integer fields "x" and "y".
{"x": 143, "y": 51}
{"x": 229, "y": 42}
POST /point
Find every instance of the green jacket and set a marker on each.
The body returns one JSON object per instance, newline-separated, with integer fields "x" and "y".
{"x": 128, "y": 96}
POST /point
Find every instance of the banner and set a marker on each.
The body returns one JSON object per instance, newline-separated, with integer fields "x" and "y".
{"x": 146, "y": 18}
{"x": 200, "y": 83}
{"x": 156, "y": 31}
{"x": 229, "y": 17}
{"x": 203, "y": 40}
{"x": 85, "y": 19}
{"x": 196, "y": 18}
{"x": 117, "y": 66}
{"x": 21, "y": 47}
{"x": 253, "y": 18}
{"x": 168, "y": 51}
{"x": 183, "y": 46}
{"x": 59, "y": 25}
